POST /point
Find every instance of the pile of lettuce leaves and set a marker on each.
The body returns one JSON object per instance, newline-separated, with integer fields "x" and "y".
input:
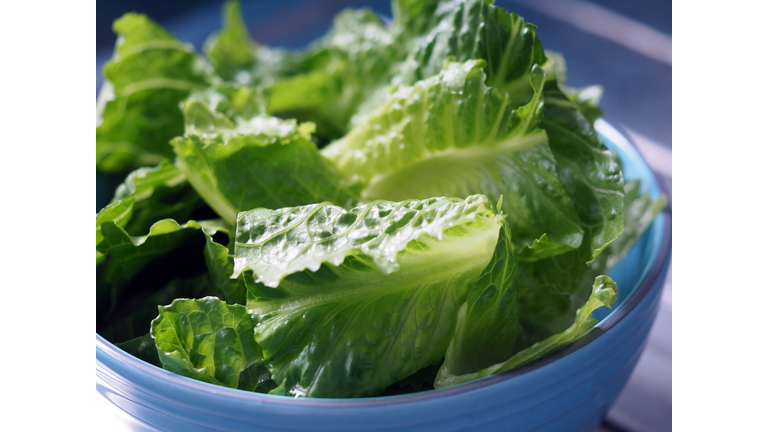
{"x": 400, "y": 206}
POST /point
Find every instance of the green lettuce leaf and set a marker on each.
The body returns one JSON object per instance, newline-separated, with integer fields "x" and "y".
{"x": 549, "y": 289}
{"x": 221, "y": 262}
{"x": 450, "y": 135}
{"x": 476, "y": 29}
{"x": 168, "y": 251}
{"x": 150, "y": 73}
{"x": 222, "y": 106}
{"x": 639, "y": 213}
{"x": 586, "y": 99}
{"x": 489, "y": 322}
{"x": 256, "y": 378}
{"x": 604, "y": 293}
{"x": 240, "y": 163}
{"x": 411, "y": 18}
{"x": 237, "y": 58}
{"x": 589, "y": 173}
{"x": 142, "y": 347}
{"x": 231, "y": 50}
{"x": 346, "y": 303}
{"x": 146, "y": 196}
{"x": 344, "y": 67}
{"x": 205, "y": 339}
{"x": 133, "y": 324}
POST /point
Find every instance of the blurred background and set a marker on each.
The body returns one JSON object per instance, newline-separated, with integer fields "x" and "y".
{"x": 625, "y": 46}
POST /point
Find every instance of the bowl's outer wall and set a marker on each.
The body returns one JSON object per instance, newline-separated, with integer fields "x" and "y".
{"x": 570, "y": 390}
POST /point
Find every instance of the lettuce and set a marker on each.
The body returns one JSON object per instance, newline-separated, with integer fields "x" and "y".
{"x": 396, "y": 207}
{"x": 451, "y": 135}
{"x": 150, "y": 73}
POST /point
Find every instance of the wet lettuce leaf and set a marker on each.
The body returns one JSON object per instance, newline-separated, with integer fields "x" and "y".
{"x": 138, "y": 111}
{"x": 549, "y": 288}
{"x": 640, "y": 210}
{"x": 604, "y": 291}
{"x": 347, "y": 302}
{"x": 205, "y": 339}
{"x": 450, "y": 135}
{"x": 587, "y": 170}
{"x": 475, "y": 29}
{"x": 488, "y": 323}
{"x": 244, "y": 161}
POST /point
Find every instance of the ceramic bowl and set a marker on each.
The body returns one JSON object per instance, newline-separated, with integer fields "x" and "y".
{"x": 570, "y": 389}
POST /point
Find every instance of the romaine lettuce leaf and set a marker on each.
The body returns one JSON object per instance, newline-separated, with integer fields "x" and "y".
{"x": 240, "y": 163}
{"x": 220, "y": 262}
{"x": 135, "y": 323}
{"x": 344, "y": 67}
{"x": 411, "y": 18}
{"x": 639, "y": 213}
{"x": 451, "y": 135}
{"x": 549, "y": 288}
{"x": 586, "y": 99}
{"x": 146, "y": 196}
{"x": 137, "y": 269}
{"x": 150, "y": 73}
{"x": 476, "y": 29}
{"x": 170, "y": 250}
{"x": 361, "y": 298}
{"x": 488, "y": 323}
{"x": 237, "y": 58}
{"x": 604, "y": 293}
{"x": 205, "y": 339}
{"x": 231, "y": 49}
{"x": 590, "y": 175}
{"x": 548, "y": 310}
{"x": 142, "y": 347}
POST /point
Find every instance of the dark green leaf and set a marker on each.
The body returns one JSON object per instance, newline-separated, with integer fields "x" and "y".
{"x": 476, "y": 29}
{"x": 586, "y": 99}
{"x": 604, "y": 292}
{"x": 142, "y": 347}
{"x": 489, "y": 322}
{"x": 549, "y": 289}
{"x": 133, "y": 323}
{"x": 146, "y": 196}
{"x": 639, "y": 213}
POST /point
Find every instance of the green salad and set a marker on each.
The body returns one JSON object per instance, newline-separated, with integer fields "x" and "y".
{"x": 400, "y": 206}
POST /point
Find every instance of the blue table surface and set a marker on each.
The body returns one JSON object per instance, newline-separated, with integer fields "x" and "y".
{"x": 637, "y": 99}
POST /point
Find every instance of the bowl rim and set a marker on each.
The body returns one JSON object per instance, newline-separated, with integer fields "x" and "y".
{"x": 649, "y": 279}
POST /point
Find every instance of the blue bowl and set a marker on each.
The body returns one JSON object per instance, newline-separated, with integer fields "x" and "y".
{"x": 568, "y": 390}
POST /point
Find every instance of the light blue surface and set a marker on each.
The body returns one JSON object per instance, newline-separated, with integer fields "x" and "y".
{"x": 569, "y": 390}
